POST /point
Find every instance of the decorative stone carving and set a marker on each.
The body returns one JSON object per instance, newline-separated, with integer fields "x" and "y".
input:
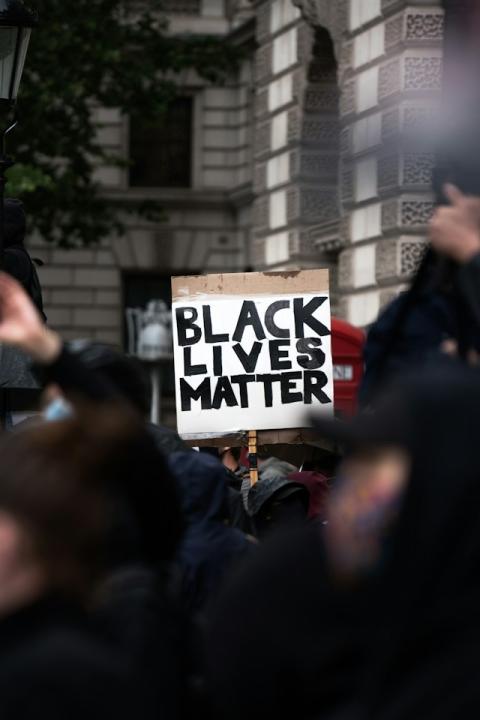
{"x": 261, "y": 103}
{"x": 258, "y": 252}
{"x": 346, "y": 141}
{"x": 347, "y": 98}
{"x": 260, "y": 213}
{"x": 390, "y": 123}
{"x": 293, "y": 204}
{"x": 293, "y": 124}
{"x": 425, "y": 26}
{"x": 260, "y": 178}
{"x": 263, "y": 63}
{"x": 394, "y": 32}
{"x": 345, "y": 270}
{"x": 346, "y": 188}
{"x": 418, "y": 118}
{"x": 411, "y": 253}
{"x": 388, "y": 172}
{"x": 386, "y": 260}
{"x": 321, "y": 98}
{"x": 418, "y": 168}
{"x": 317, "y": 205}
{"x": 389, "y": 215}
{"x": 262, "y": 139}
{"x": 319, "y": 166}
{"x": 389, "y": 79}
{"x": 320, "y": 131}
{"x": 320, "y": 72}
{"x": 416, "y": 213}
{"x": 423, "y": 73}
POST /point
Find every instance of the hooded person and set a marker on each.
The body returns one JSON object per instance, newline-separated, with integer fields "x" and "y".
{"x": 317, "y": 487}
{"x": 209, "y": 549}
{"x": 276, "y": 504}
{"x": 387, "y": 627}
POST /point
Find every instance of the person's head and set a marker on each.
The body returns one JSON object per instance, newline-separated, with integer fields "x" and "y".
{"x": 15, "y": 222}
{"x": 277, "y": 504}
{"x": 56, "y": 509}
{"x": 202, "y": 485}
{"x": 125, "y": 374}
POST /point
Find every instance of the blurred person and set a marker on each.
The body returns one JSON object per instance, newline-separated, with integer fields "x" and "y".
{"x": 132, "y": 607}
{"x": 236, "y": 473}
{"x": 55, "y": 517}
{"x": 382, "y": 603}
{"x": 209, "y": 550}
{"x": 446, "y": 311}
{"x": 317, "y": 486}
{"x": 277, "y": 504}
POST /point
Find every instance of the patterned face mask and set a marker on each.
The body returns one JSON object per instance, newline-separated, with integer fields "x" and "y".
{"x": 362, "y": 509}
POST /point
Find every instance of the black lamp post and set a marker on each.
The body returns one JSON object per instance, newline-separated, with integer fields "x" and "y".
{"x": 16, "y": 23}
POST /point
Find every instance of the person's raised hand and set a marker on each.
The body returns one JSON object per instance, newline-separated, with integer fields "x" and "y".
{"x": 454, "y": 230}
{"x": 21, "y": 324}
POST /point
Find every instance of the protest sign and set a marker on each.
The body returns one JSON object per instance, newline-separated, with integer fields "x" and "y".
{"x": 252, "y": 351}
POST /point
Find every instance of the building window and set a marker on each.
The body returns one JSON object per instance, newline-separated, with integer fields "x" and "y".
{"x": 161, "y": 151}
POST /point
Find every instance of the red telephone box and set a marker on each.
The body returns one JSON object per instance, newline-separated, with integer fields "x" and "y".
{"x": 347, "y": 351}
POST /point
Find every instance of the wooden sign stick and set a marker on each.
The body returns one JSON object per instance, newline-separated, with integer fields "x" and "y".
{"x": 252, "y": 457}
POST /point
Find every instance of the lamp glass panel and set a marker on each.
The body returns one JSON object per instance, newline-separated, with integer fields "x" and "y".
{"x": 24, "y": 42}
{"x": 8, "y": 39}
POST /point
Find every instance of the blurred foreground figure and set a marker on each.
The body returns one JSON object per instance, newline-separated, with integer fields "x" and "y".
{"x": 130, "y": 606}
{"x": 441, "y": 313}
{"x": 55, "y": 518}
{"x": 377, "y": 615}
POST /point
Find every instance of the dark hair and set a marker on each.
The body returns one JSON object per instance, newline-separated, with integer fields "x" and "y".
{"x": 125, "y": 373}
{"x": 54, "y": 479}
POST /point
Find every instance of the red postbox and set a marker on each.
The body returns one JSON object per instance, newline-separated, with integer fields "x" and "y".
{"x": 347, "y": 351}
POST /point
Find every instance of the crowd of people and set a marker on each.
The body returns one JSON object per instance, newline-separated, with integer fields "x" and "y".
{"x": 145, "y": 579}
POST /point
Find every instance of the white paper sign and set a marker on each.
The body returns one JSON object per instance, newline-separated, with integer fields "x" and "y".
{"x": 251, "y": 362}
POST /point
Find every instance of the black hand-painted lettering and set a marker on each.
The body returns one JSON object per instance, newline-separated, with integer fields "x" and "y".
{"x": 313, "y": 384}
{"x": 290, "y": 393}
{"x": 224, "y": 393}
{"x": 186, "y": 323}
{"x": 189, "y": 368}
{"x": 248, "y": 360}
{"x": 210, "y": 336}
{"x": 278, "y": 356}
{"x": 248, "y": 316}
{"x": 270, "y": 323}
{"x": 202, "y": 393}
{"x": 243, "y": 381}
{"x": 304, "y": 316}
{"x": 314, "y": 358}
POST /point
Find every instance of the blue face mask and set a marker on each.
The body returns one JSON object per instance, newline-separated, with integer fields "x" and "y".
{"x": 58, "y": 409}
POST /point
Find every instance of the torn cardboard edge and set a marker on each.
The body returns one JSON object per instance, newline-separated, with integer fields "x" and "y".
{"x": 288, "y": 282}
{"x": 297, "y": 436}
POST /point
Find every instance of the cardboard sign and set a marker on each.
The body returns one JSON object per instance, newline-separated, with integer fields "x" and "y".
{"x": 252, "y": 351}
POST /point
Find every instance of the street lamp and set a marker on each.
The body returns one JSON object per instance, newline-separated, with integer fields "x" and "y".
{"x": 16, "y": 23}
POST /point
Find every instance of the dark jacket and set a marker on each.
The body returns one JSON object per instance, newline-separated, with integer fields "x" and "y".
{"x": 397, "y": 642}
{"x": 52, "y": 667}
{"x": 209, "y": 549}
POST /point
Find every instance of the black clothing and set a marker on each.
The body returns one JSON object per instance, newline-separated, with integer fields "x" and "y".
{"x": 436, "y": 316}
{"x": 53, "y": 667}
{"x": 401, "y": 642}
{"x": 209, "y": 549}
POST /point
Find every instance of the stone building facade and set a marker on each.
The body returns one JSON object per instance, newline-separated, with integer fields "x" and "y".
{"x": 319, "y": 153}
